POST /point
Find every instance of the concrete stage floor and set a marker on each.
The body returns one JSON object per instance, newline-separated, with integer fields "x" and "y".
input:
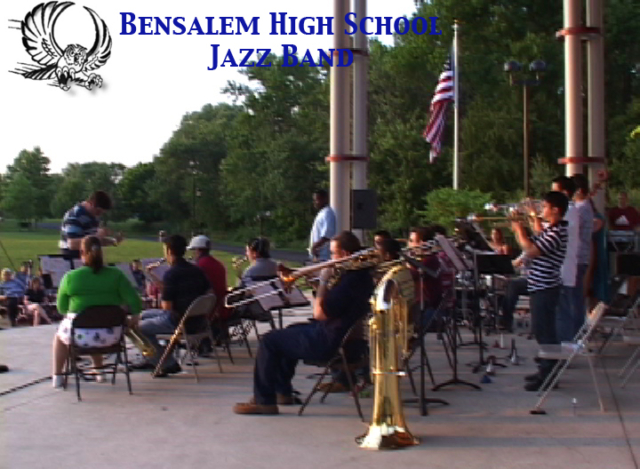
{"x": 175, "y": 422}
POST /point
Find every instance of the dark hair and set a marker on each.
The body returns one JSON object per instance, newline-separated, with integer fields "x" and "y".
{"x": 100, "y": 199}
{"x": 34, "y": 280}
{"x": 581, "y": 182}
{"x": 439, "y": 229}
{"x": 558, "y": 200}
{"x": 499, "y": 231}
{"x": 321, "y": 193}
{"x": 566, "y": 184}
{"x": 92, "y": 248}
{"x": 176, "y": 244}
{"x": 383, "y": 234}
{"x": 424, "y": 233}
{"x": 391, "y": 247}
{"x": 347, "y": 241}
{"x": 260, "y": 246}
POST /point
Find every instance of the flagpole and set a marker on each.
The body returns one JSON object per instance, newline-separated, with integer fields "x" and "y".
{"x": 456, "y": 80}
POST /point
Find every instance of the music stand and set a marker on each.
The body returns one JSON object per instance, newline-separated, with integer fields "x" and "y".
{"x": 423, "y": 272}
{"x": 487, "y": 264}
{"x": 461, "y": 266}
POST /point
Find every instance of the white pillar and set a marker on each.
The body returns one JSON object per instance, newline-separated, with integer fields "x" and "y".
{"x": 360, "y": 93}
{"x": 340, "y": 106}
{"x": 595, "y": 77}
{"x": 573, "y": 86}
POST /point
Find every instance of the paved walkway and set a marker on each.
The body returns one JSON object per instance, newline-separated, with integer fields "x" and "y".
{"x": 174, "y": 422}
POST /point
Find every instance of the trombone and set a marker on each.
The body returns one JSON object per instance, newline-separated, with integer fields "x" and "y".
{"x": 360, "y": 260}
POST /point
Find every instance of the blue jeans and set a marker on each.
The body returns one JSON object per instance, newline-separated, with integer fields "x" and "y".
{"x": 543, "y": 304}
{"x": 515, "y": 288}
{"x": 152, "y": 323}
{"x": 579, "y": 298}
{"x": 278, "y": 355}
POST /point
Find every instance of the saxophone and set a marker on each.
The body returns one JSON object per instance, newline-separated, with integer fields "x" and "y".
{"x": 390, "y": 330}
{"x": 140, "y": 342}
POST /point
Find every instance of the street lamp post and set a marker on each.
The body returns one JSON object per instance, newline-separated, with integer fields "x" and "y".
{"x": 512, "y": 68}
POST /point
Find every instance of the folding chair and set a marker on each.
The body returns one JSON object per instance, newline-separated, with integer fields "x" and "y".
{"x": 98, "y": 317}
{"x": 339, "y": 360}
{"x": 620, "y": 315}
{"x": 565, "y": 353}
{"x": 634, "y": 362}
{"x": 200, "y": 308}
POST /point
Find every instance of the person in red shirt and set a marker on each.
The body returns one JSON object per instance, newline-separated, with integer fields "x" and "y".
{"x": 213, "y": 269}
{"x": 623, "y": 217}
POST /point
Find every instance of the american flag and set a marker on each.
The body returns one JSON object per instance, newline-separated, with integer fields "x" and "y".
{"x": 443, "y": 96}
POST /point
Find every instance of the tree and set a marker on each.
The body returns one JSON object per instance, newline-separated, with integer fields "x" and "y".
{"x": 33, "y": 167}
{"x": 20, "y": 198}
{"x": 135, "y": 189}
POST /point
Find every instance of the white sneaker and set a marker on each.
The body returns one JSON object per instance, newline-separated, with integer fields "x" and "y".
{"x": 57, "y": 381}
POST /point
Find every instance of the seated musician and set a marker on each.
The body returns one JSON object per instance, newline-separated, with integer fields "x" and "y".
{"x": 334, "y": 311}
{"x": 430, "y": 295}
{"x": 379, "y": 236}
{"x": 623, "y": 217}
{"x": 213, "y": 269}
{"x": 180, "y": 286}
{"x": 94, "y": 284}
{"x": 262, "y": 266}
{"x": 12, "y": 291}
{"x": 498, "y": 244}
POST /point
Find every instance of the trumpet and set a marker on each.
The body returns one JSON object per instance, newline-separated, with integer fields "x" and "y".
{"x": 360, "y": 260}
{"x": 237, "y": 262}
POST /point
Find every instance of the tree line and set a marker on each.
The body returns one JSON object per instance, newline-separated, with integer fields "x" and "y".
{"x": 234, "y": 167}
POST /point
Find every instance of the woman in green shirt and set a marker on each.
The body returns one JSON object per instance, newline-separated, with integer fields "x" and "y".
{"x": 91, "y": 285}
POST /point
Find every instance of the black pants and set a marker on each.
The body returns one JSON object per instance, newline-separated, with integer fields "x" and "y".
{"x": 12, "y": 308}
{"x": 515, "y": 288}
{"x": 543, "y": 305}
{"x": 278, "y": 355}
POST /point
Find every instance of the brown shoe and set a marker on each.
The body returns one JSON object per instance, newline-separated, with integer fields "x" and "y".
{"x": 334, "y": 387}
{"x": 282, "y": 400}
{"x": 251, "y": 408}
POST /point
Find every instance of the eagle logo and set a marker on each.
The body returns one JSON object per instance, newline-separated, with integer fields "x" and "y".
{"x": 74, "y": 63}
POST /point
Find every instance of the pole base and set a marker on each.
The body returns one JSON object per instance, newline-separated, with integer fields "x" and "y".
{"x": 382, "y": 437}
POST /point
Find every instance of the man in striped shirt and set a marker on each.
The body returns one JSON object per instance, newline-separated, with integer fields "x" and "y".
{"x": 546, "y": 251}
{"x": 84, "y": 220}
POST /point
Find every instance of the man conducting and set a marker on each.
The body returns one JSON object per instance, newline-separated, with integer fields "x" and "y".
{"x": 324, "y": 227}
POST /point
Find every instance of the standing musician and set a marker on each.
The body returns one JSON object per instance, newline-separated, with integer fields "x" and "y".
{"x": 84, "y": 220}
{"x": 565, "y": 315}
{"x": 324, "y": 227}
{"x": 335, "y": 310}
{"x": 546, "y": 251}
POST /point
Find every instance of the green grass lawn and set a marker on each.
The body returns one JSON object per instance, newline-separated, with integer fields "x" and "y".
{"x": 23, "y": 246}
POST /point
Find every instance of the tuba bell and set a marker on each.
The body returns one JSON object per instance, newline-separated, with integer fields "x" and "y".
{"x": 390, "y": 331}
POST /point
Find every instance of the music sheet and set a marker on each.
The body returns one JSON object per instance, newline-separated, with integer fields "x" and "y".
{"x": 126, "y": 270}
{"x": 453, "y": 254}
{"x": 295, "y": 298}
{"x": 56, "y": 267}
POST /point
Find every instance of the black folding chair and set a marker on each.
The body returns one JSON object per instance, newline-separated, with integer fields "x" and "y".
{"x": 98, "y": 317}
{"x": 337, "y": 361}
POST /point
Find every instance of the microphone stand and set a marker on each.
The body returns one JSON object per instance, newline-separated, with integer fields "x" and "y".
{"x": 422, "y": 400}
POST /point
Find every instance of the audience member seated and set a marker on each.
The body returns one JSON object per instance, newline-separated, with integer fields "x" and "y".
{"x": 94, "y": 284}
{"x": 180, "y": 286}
{"x": 34, "y": 299}
{"x": 12, "y": 291}
{"x": 262, "y": 266}
{"x": 138, "y": 275}
{"x": 335, "y": 311}
{"x": 623, "y": 217}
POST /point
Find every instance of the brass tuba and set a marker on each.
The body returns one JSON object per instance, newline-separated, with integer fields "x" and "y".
{"x": 390, "y": 330}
